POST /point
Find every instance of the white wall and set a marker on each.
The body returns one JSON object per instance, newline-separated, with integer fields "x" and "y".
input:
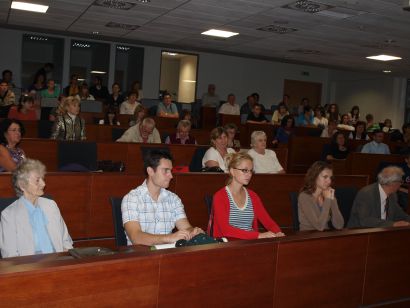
{"x": 379, "y": 94}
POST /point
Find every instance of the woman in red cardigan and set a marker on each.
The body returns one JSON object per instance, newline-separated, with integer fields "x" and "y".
{"x": 236, "y": 209}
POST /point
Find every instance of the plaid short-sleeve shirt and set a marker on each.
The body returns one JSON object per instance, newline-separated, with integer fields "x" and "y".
{"x": 155, "y": 217}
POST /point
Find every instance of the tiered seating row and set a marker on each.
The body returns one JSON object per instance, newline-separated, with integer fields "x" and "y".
{"x": 83, "y": 198}
{"x": 337, "y": 269}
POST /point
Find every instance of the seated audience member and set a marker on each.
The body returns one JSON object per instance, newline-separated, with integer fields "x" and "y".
{"x": 69, "y": 125}
{"x": 38, "y": 85}
{"x": 354, "y": 115}
{"x": 280, "y": 113}
{"x": 140, "y": 113}
{"x": 285, "y": 100}
{"x": 264, "y": 160}
{"x": 376, "y": 204}
{"x": 52, "y": 90}
{"x": 136, "y": 87}
{"x": 150, "y": 212}
{"x": 115, "y": 99}
{"x": 303, "y": 103}
{"x": 248, "y": 106}
{"x": 338, "y": 147}
{"x": 7, "y": 98}
{"x": 46, "y": 71}
{"x": 285, "y": 130}
{"x": 371, "y": 125}
{"x": 24, "y": 111}
{"x": 128, "y": 106}
{"x": 215, "y": 155}
{"x": 110, "y": 117}
{"x": 256, "y": 115}
{"x": 330, "y": 130}
{"x": 182, "y": 135}
{"x": 317, "y": 205}
{"x": 403, "y": 136}
{"x": 231, "y": 129}
{"x": 376, "y": 146}
{"x": 32, "y": 224}
{"x": 305, "y": 118}
{"x": 144, "y": 132}
{"x": 230, "y": 107}
{"x": 98, "y": 90}
{"x": 333, "y": 113}
{"x": 387, "y": 126}
{"x": 320, "y": 120}
{"x": 84, "y": 94}
{"x": 236, "y": 209}
{"x": 360, "y": 133}
{"x": 7, "y": 76}
{"x": 11, "y": 155}
{"x": 345, "y": 124}
{"x": 210, "y": 99}
{"x": 72, "y": 89}
{"x": 166, "y": 108}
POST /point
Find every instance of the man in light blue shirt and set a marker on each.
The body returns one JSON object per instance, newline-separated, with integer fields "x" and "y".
{"x": 166, "y": 108}
{"x": 376, "y": 146}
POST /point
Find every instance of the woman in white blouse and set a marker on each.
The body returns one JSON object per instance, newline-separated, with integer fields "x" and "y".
{"x": 264, "y": 160}
{"x": 216, "y": 154}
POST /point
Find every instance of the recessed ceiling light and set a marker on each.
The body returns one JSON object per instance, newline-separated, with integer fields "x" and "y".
{"x": 25, "y": 6}
{"x": 384, "y": 58}
{"x": 386, "y": 71}
{"x": 98, "y": 72}
{"x": 96, "y": 32}
{"x": 219, "y": 33}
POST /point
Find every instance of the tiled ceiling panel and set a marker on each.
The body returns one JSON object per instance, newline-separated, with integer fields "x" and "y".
{"x": 339, "y": 36}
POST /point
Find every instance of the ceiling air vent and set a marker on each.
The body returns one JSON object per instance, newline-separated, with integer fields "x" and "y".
{"x": 277, "y": 29}
{"x": 114, "y": 4}
{"x": 305, "y": 51}
{"x": 117, "y": 25}
{"x": 307, "y": 6}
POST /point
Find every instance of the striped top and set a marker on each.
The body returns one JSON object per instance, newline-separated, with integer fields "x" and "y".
{"x": 241, "y": 218}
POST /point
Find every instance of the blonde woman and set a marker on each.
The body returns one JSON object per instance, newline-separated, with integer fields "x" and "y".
{"x": 69, "y": 125}
{"x": 236, "y": 209}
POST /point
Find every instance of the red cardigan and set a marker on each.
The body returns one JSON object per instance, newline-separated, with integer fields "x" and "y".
{"x": 221, "y": 226}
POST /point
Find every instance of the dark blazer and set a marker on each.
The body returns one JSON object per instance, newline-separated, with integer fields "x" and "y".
{"x": 366, "y": 210}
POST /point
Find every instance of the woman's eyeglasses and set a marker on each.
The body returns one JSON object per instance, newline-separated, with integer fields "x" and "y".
{"x": 245, "y": 171}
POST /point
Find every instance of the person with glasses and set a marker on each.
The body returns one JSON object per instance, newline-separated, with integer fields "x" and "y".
{"x": 376, "y": 205}
{"x": 11, "y": 155}
{"x": 317, "y": 204}
{"x": 144, "y": 132}
{"x": 150, "y": 212}
{"x": 236, "y": 210}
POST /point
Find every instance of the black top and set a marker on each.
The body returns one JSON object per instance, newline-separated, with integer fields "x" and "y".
{"x": 115, "y": 102}
{"x": 337, "y": 153}
{"x": 260, "y": 118}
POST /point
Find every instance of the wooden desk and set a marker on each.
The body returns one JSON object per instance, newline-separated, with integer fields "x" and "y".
{"x": 347, "y": 268}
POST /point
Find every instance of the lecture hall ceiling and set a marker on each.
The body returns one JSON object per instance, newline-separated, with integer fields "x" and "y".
{"x": 340, "y": 34}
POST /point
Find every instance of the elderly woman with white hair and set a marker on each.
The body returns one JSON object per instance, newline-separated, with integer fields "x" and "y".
{"x": 32, "y": 224}
{"x": 264, "y": 160}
